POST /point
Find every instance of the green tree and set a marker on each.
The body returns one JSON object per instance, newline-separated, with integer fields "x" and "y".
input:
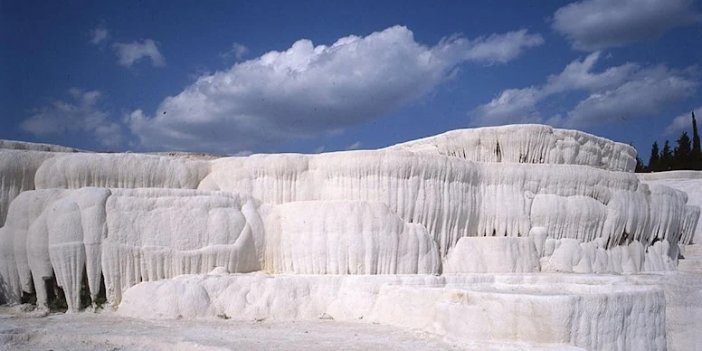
{"x": 641, "y": 166}
{"x": 666, "y": 161}
{"x": 654, "y": 163}
{"x": 696, "y": 157}
{"x": 683, "y": 152}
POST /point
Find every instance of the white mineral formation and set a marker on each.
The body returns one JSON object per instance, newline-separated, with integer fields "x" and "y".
{"x": 493, "y": 255}
{"x": 691, "y": 183}
{"x": 119, "y": 171}
{"x": 17, "y": 171}
{"x": 346, "y": 237}
{"x": 526, "y": 143}
{"x": 23, "y": 145}
{"x": 19, "y": 162}
{"x": 608, "y": 313}
{"x": 394, "y": 235}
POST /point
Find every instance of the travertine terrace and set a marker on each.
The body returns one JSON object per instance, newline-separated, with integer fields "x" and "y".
{"x": 468, "y": 234}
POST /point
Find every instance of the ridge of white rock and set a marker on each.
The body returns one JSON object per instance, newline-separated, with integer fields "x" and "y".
{"x": 22, "y": 170}
{"x": 623, "y": 221}
{"x": 119, "y": 171}
{"x": 427, "y": 214}
{"x": 609, "y": 313}
{"x": 689, "y": 182}
{"x": 670, "y": 175}
{"x": 346, "y": 237}
{"x": 454, "y": 198}
{"x": 438, "y": 199}
{"x": 527, "y": 143}
{"x": 24, "y": 145}
{"x": 124, "y": 235}
{"x": 493, "y": 255}
{"x": 155, "y": 234}
{"x": 17, "y": 171}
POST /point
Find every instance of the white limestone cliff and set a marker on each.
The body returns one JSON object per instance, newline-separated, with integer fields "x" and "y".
{"x": 591, "y": 313}
{"x": 689, "y": 182}
{"x": 119, "y": 171}
{"x": 346, "y": 237}
{"x": 17, "y": 171}
{"x": 527, "y": 143}
{"x": 527, "y": 199}
{"x": 493, "y": 255}
{"x": 23, "y": 145}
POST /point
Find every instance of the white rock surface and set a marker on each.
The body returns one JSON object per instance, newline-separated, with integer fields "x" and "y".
{"x": 412, "y": 193}
{"x": 578, "y": 217}
{"x": 127, "y": 235}
{"x": 526, "y": 143}
{"x": 691, "y": 183}
{"x": 365, "y": 234}
{"x": 454, "y": 198}
{"x": 17, "y": 171}
{"x": 23, "y": 145}
{"x": 585, "y": 312}
{"x": 119, "y": 171}
{"x": 346, "y": 237}
{"x": 15, "y": 254}
{"x": 493, "y": 255}
{"x": 594, "y": 318}
{"x": 155, "y": 234}
{"x": 107, "y": 331}
{"x": 572, "y": 256}
{"x": 688, "y": 181}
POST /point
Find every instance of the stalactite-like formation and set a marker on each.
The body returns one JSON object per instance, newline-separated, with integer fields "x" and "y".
{"x": 548, "y": 199}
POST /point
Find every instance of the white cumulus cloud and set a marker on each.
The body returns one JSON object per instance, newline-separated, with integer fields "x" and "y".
{"x": 511, "y": 106}
{"x": 644, "y": 95}
{"x": 683, "y": 122}
{"x": 130, "y": 53}
{"x": 502, "y": 47}
{"x": 310, "y": 90}
{"x": 597, "y": 24}
{"x": 98, "y": 35}
{"x": 616, "y": 93}
{"x": 81, "y": 114}
{"x": 237, "y": 52}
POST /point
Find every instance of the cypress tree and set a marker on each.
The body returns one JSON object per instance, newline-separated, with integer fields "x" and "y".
{"x": 666, "y": 161}
{"x": 683, "y": 151}
{"x": 640, "y": 166}
{"x": 696, "y": 151}
{"x": 654, "y": 161}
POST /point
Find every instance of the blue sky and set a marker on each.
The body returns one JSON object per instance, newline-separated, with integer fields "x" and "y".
{"x": 232, "y": 77}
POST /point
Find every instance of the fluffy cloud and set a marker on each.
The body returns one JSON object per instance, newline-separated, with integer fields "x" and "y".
{"x": 98, "y": 35}
{"x": 310, "y": 90}
{"x": 648, "y": 91}
{"x": 81, "y": 115}
{"x": 130, "y": 53}
{"x": 683, "y": 122}
{"x": 511, "y": 106}
{"x": 617, "y": 93}
{"x": 501, "y": 47}
{"x": 237, "y": 52}
{"x": 596, "y": 24}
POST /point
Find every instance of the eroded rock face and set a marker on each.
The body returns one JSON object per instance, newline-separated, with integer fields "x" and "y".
{"x": 346, "y": 237}
{"x": 493, "y": 255}
{"x": 584, "y": 311}
{"x": 527, "y": 143}
{"x": 422, "y": 207}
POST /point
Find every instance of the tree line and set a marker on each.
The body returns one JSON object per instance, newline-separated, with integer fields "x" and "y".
{"x": 685, "y": 155}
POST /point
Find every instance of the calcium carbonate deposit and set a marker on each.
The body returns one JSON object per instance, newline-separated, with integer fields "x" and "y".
{"x": 517, "y": 235}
